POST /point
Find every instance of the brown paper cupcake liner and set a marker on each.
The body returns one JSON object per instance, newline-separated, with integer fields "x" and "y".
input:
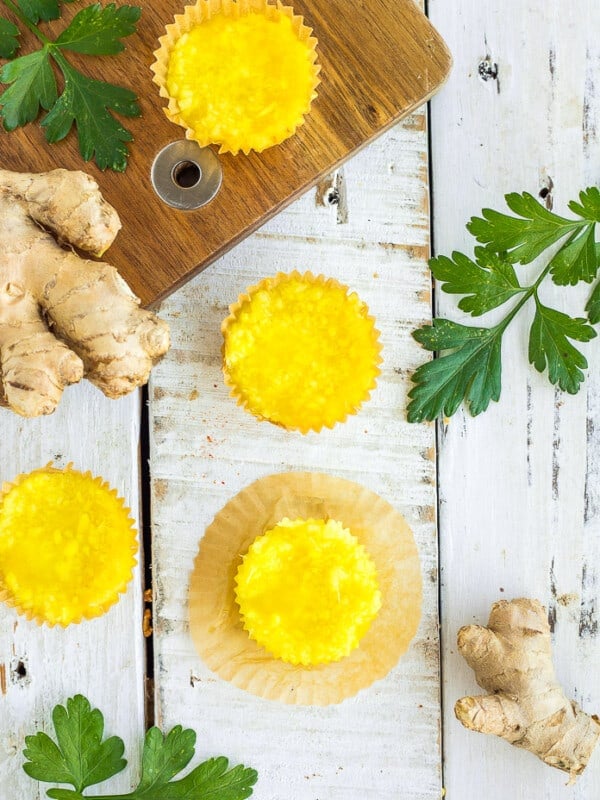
{"x": 215, "y": 623}
{"x": 9, "y": 598}
{"x": 205, "y": 10}
{"x": 237, "y": 392}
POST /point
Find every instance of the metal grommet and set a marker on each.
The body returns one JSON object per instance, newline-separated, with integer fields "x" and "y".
{"x": 185, "y": 175}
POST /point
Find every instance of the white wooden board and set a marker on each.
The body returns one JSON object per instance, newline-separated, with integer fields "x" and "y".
{"x": 384, "y": 743}
{"x": 102, "y": 658}
{"x": 519, "y": 494}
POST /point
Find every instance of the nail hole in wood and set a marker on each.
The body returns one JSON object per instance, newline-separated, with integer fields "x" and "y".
{"x": 187, "y": 174}
{"x": 545, "y": 192}
{"x": 333, "y": 197}
{"x": 18, "y": 672}
{"x": 488, "y": 70}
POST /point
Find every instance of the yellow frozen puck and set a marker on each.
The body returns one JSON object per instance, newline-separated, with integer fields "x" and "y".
{"x": 300, "y": 351}
{"x": 307, "y": 591}
{"x": 240, "y": 75}
{"x": 67, "y": 545}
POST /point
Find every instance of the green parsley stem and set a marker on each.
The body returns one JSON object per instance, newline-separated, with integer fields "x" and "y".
{"x": 529, "y": 291}
{"x": 58, "y": 56}
{"x": 33, "y": 28}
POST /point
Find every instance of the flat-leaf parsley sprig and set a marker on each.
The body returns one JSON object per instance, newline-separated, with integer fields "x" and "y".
{"x": 469, "y": 367}
{"x": 81, "y": 757}
{"x": 87, "y": 103}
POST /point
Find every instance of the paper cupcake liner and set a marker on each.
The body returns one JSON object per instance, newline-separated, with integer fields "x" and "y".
{"x": 215, "y": 623}
{"x": 98, "y": 609}
{"x": 237, "y": 392}
{"x": 205, "y": 10}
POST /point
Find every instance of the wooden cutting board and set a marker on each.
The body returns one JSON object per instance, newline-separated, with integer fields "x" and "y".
{"x": 380, "y": 60}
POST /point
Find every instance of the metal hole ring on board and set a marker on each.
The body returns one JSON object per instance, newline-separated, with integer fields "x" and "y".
{"x": 185, "y": 175}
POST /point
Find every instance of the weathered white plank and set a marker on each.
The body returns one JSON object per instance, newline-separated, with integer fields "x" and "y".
{"x": 102, "y": 658}
{"x": 518, "y": 486}
{"x": 385, "y": 742}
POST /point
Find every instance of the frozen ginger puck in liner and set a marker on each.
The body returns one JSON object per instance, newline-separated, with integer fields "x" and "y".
{"x": 67, "y": 546}
{"x": 306, "y": 589}
{"x": 300, "y": 351}
{"x": 239, "y": 74}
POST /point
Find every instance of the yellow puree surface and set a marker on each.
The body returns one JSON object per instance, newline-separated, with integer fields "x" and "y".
{"x": 302, "y": 354}
{"x": 65, "y": 546}
{"x": 307, "y": 591}
{"x": 243, "y": 83}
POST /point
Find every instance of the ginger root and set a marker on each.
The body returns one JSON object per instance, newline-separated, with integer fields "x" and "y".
{"x": 62, "y": 316}
{"x": 512, "y": 660}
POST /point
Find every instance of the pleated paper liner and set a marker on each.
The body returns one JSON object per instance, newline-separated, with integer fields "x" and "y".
{"x": 203, "y": 11}
{"x": 329, "y": 386}
{"x": 39, "y": 537}
{"x": 215, "y": 623}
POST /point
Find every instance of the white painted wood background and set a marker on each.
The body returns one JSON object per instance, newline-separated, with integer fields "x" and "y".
{"x": 518, "y": 487}
{"x": 101, "y": 658}
{"x": 519, "y": 490}
{"x": 205, "y": 449}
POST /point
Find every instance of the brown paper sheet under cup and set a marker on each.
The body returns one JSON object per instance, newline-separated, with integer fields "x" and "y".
{"x": 215, "y": 622}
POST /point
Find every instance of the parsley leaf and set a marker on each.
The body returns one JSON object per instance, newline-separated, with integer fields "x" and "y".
{"x": 85, "y": 102}
{"x": 488, "y": 281}
{"x": 471, "y": 372}
{"x": 549, "y": 346}
{"x": 97, "y": 31}
{"x": 468, "y": 368}
{"x": 576, "y": 260}
{"x": 9, "y": 43}
{"x": 36, "y": 10}
{"x": 32, "y": 84}
{"x": 165, "y": 756}
{"x": 579, "y": 259}
{"x": 212, "y": 781}
{"x": 82, "y": 759}
{"x": 589, "y": 205}
{"x": 593, "y": 304}
{"x": 524, "y": 237}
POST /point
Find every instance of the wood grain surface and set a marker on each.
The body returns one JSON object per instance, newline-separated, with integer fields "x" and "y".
{"x": 518, "y": 486}
{"x": 379, "y": 62}
{"x": 368, "y": 226}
